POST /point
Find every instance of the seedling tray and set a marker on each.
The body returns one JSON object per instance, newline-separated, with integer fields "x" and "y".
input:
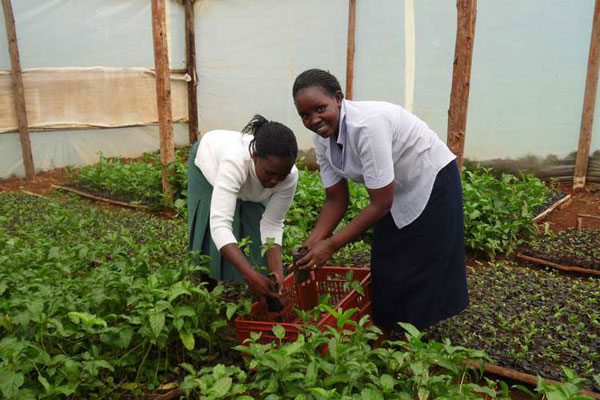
{"x": 326, "y": 280}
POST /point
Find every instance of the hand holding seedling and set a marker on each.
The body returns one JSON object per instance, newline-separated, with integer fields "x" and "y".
{"x": 268, "y": 289}
{"x": 317, "y": 254}
{"x": 300, "y": 275}
{"x": 263, "y": 286}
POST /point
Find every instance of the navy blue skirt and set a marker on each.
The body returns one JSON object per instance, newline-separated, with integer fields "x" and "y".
{"x": 418, "y": 272}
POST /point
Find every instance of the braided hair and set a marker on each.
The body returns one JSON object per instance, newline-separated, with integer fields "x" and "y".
{"x": 271, "y": 138}
{"x": 317, "y": 77}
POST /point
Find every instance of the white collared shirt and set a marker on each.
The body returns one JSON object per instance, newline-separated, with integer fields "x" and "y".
{"x": 224, "y": 159}
{"x": 383, "y": 143}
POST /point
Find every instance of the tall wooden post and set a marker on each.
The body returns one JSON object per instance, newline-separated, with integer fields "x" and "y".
{"x": 409, "y": 55}
{"x": 18, "y": 89}
{"x": 461, "y": 76}
{"x": 163, "y": 93}
{"x": 589, "y": 103}
{"x": 190, "y": 59}
{"x": 350, "y": 49}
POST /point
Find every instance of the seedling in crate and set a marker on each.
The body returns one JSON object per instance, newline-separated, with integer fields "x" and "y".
{"x": 305, "y": 287}
{"x": 274, "y": 304}
{"x": 300, "y": 275}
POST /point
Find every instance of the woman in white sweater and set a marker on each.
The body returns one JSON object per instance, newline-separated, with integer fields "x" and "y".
{"x": 241, "y": 184}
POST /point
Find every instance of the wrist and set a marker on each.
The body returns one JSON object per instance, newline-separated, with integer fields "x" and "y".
{"x": 333, "y": 243}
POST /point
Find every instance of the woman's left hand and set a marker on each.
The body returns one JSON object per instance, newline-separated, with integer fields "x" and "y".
{"x": 318, "y": 254}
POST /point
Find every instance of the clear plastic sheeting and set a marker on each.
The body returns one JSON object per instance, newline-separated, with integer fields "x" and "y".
{"x": 82, "y": 147}
{"x": 527, "y": 77}
{"x": 90, "y": 33}
{"x": 89, "y": 97}
{"x": 249, "y": 53}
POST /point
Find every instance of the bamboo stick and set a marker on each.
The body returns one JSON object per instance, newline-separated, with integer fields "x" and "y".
{"x": 350, "y": 50}
{"x": 461, "y": 77}
{"x": 580, "y": 218}
{"x": 190, "y": 59}
{"x": 19, "y": 90}
{"x": 27, "y": 192}
{"x": 163, "y": 94}
{"x": 589, "y": 216}
{"x": 589, "y": 103}
{"x": 556, "y": 204}
{"x": 557, "y": 266}
{"x": 98, "y": 198}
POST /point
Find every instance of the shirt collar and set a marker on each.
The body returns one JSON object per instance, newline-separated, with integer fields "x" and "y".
{"x": 341, "y": 139}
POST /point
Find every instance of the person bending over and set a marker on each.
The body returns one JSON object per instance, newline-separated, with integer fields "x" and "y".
{"x": 241, "y": 184}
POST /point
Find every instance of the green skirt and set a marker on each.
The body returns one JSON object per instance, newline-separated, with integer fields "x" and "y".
{"x": 246, "y": 223}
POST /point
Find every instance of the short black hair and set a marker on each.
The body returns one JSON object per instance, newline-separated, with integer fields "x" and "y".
{"x": 271, "y": 138}
{"x": 317, "y": 77}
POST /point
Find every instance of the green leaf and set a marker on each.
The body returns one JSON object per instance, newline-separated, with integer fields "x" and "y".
{"x": 370, "y": 394}
{"x": 387, "y": 382}
{"x": 53, "y": 253}
{"x": 125, "y": 336}
{"x": 157, "y": 323}
{"x": 346, "y": 315}
{"x": 231, "y": 310}
{"x": 279, "y": 332}
{"x": 177, "y": 291}
{"x": 187, "y": 339}
{"x": 184, "y": 311}
{"x": 10, "y": 382}
{"x": 410, "y": 329}
{"x": 311, "y": 374}
{"x": 221, "y": 387}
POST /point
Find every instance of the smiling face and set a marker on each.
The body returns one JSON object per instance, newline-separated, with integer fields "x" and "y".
{"x": 271, "y": 170}
{"x": 319, "y": 110}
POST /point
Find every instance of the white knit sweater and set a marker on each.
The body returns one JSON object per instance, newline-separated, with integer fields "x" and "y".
{"x": 224, "y": 159}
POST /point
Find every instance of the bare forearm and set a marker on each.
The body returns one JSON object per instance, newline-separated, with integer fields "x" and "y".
{"x": 232, "y": 253}
{"x": 274, "y": 259}
{"x": 334, "y": 209}
{"x": 363, "y": 221}
{"x": 330, "y": 216}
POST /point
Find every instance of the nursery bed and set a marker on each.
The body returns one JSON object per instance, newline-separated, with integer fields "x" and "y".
{"x": 530, "y": 320}
{"x": 572, "y": 249}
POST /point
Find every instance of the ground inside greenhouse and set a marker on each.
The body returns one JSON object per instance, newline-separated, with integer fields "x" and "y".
{"x": 585, "y": 201}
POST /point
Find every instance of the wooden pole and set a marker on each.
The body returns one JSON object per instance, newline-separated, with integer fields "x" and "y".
{"x": 461, "y": 77}
{"x": 190, "y": 59}
{"x": 18, "y": 89}
{"x": 163, "y": 93}
{"x": 589, "y": 103}
{"x": 350, "y": 49}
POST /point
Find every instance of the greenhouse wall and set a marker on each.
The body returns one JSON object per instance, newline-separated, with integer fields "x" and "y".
{"x": 527, "y": 77}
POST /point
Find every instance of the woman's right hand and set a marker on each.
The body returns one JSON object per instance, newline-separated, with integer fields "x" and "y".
{"x": 262, "y": 286}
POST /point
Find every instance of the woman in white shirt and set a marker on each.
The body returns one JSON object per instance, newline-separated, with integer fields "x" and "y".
{"x": 417, "y": 255}
{"x": 241, "y": 184}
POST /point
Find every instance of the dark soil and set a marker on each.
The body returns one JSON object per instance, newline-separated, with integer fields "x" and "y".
{"x": 124, "y": 197}
{"x": 530, "y": 320}
{"x": 570, "y": 248}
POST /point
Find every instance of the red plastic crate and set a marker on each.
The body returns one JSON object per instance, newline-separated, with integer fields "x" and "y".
{"x": 326, "y": 280}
